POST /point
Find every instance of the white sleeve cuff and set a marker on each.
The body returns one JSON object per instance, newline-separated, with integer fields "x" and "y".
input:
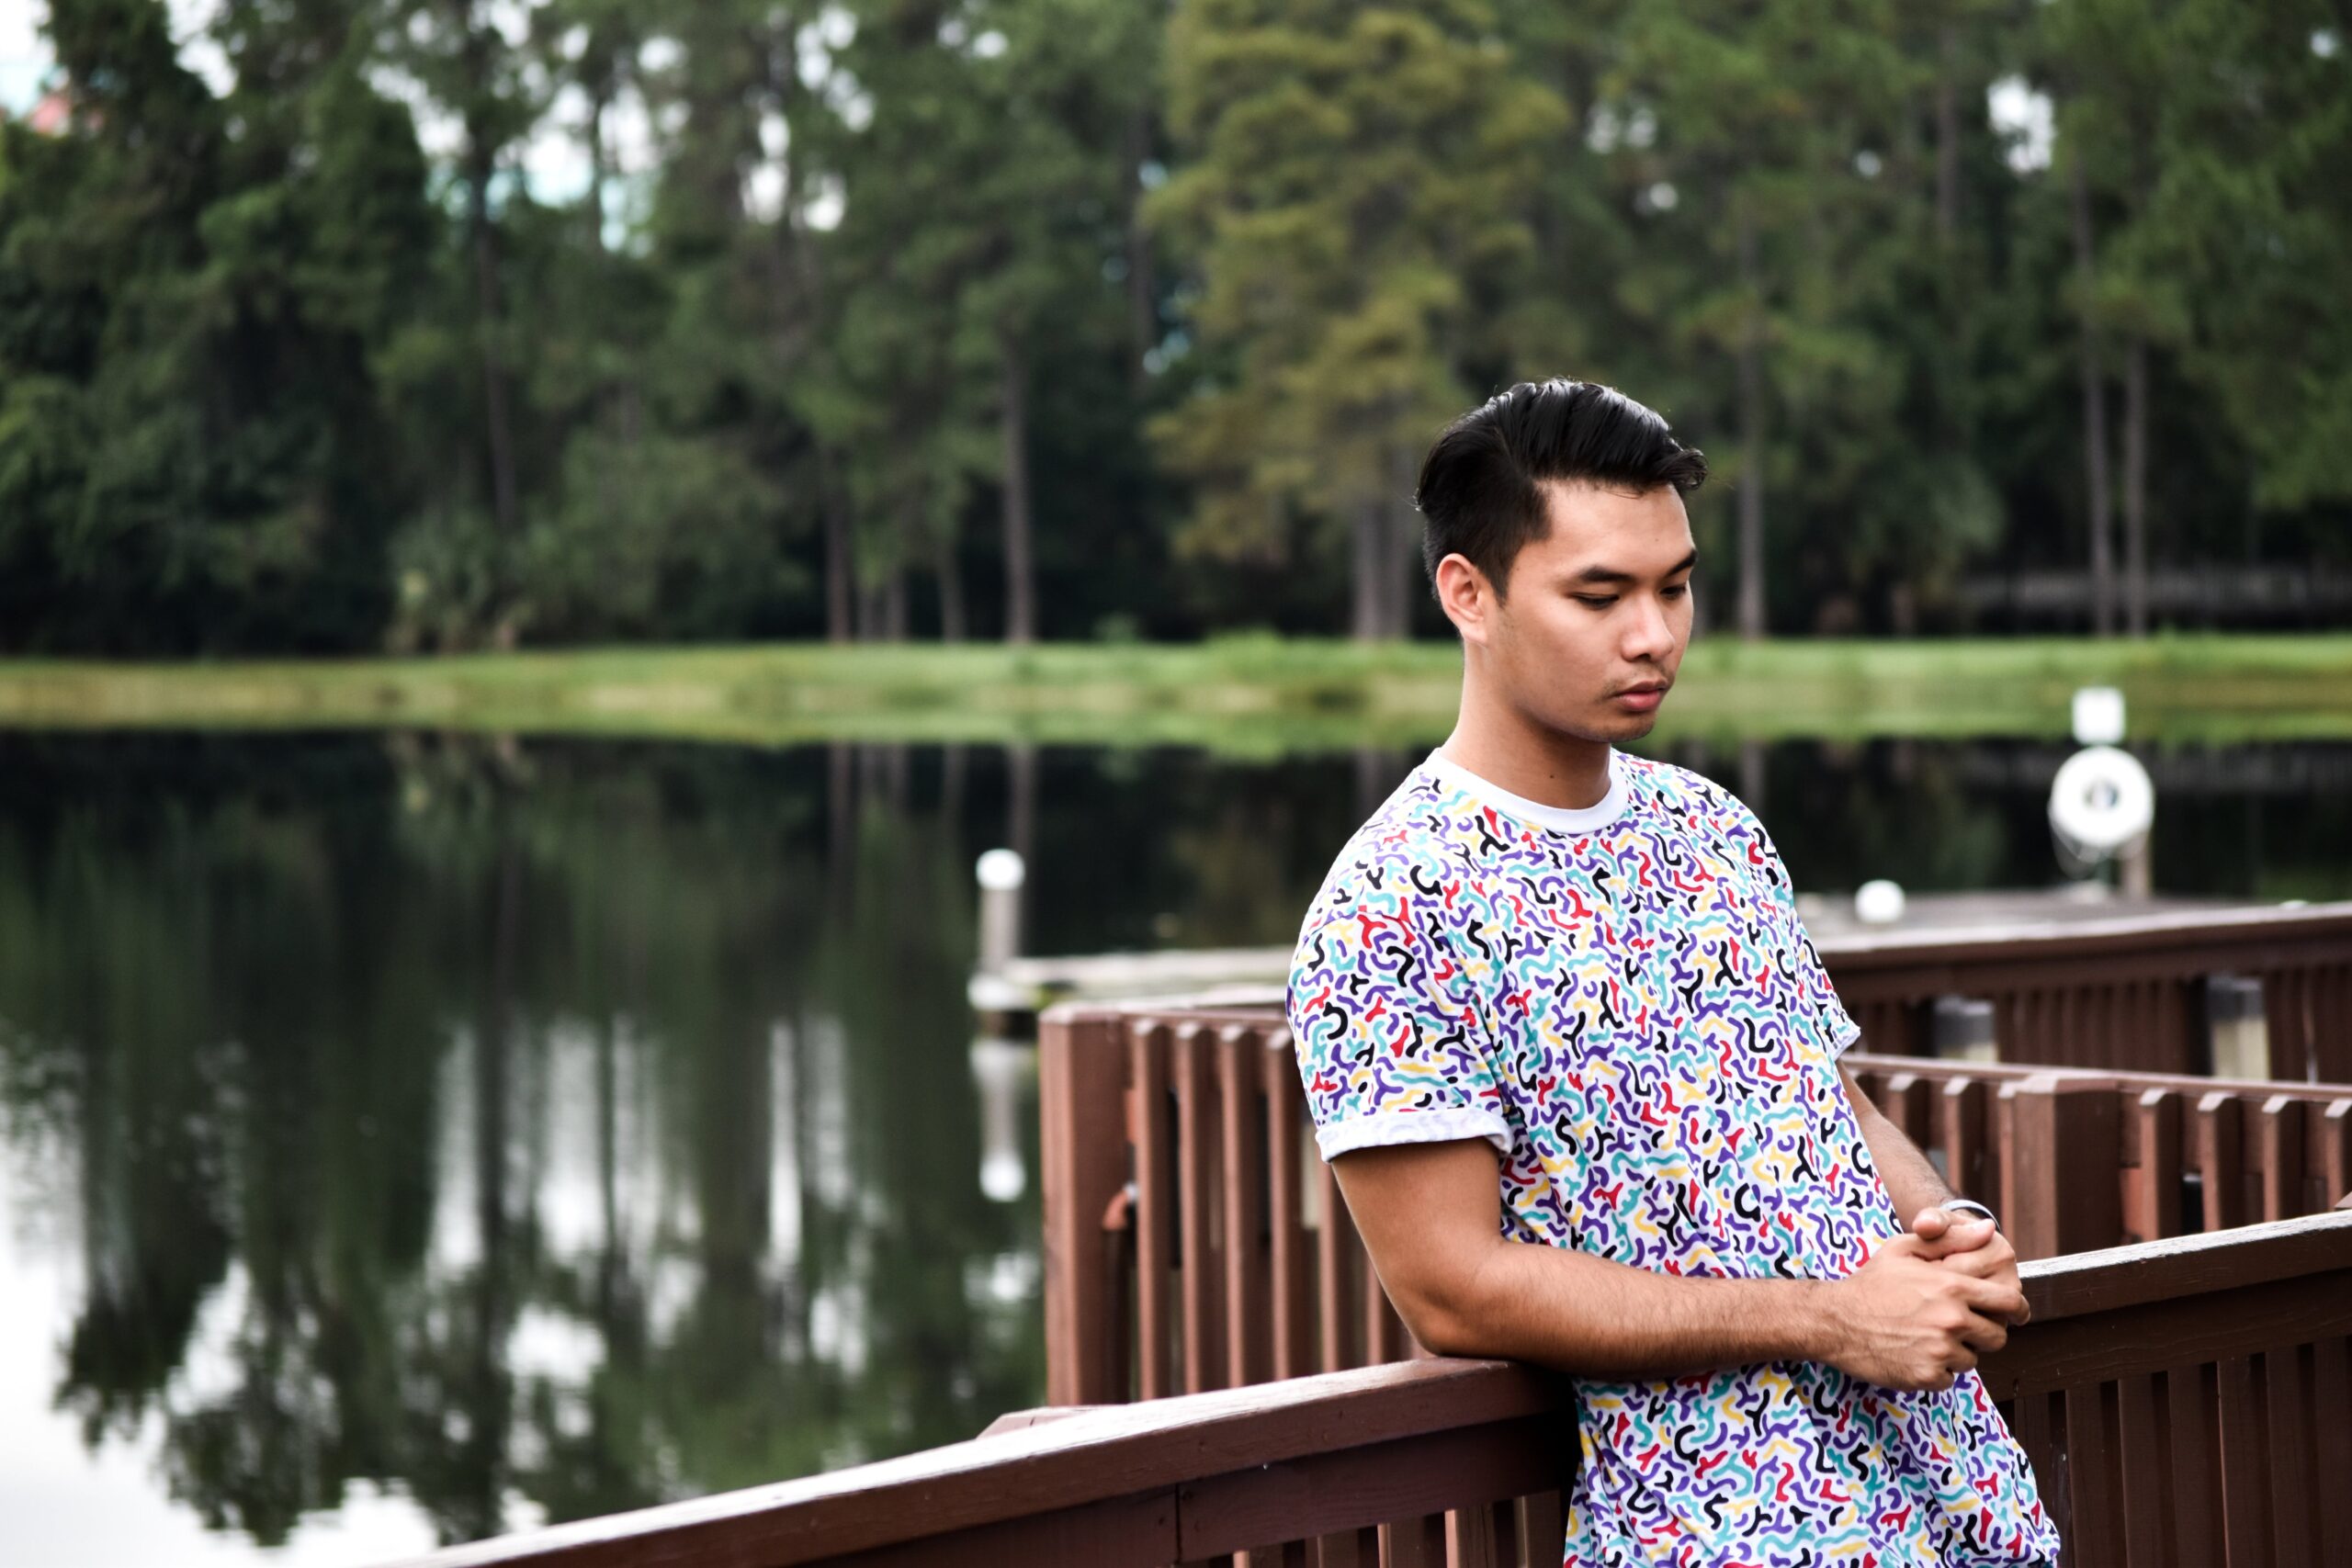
{"x": 1844, "y": 1036}
{"x": 1442, "y": 1125}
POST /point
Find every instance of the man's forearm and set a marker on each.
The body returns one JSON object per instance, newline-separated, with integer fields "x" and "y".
{"x": 1596, "y": 1318}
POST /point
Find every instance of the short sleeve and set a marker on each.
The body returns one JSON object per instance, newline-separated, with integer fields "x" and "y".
{"x": 1393, "y": 1046}
{"x": 1836, "y": 1029}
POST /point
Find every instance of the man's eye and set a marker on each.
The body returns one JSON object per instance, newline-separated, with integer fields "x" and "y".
{"x": 1592, "y": 602}
{"x": 1677, "y": 592}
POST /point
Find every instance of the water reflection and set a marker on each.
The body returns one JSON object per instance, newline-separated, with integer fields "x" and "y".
{"x": 531, "y": 1132}
{"x": 543, "y": 1134}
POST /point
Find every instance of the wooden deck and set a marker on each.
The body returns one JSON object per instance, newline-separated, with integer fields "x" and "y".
{"x": 2104, "y": 984}
{"x": 2185, "y": 1402}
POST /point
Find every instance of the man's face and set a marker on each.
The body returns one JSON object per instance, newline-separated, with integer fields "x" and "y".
{"x": 1599, "y": 613}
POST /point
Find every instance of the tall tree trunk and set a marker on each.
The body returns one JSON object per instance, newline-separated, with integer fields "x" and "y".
{"x": 894, "y": 606}
{"x": 840, "y": 587}
{"x": 1404, "y": 542}
{"x": 797, "y": 280}
{"x": 1143, "y": 286}
{"x": 1752, "y": 622}
{"x": 2093, "y": 402}
{"x": 488, "y": 324}
{"x": 600, "y": 99}
{"x": 1020, "y": 570}
{"x": 1367, "y": 548}
{"x": 2135, "y": 487}
{"x": 1948, "y": 135}
{"x": 481, "y": 239}
{"x": 951, "y": 587}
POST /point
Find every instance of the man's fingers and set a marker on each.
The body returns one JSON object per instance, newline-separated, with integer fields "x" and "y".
{"x": 1984, "y": 1335}
{"x": 1984, "y": 1262}
{"x": 1929, "y": 1224}
{"x": 2005, "y": 1302}
{"x": 1958, "y": 1235}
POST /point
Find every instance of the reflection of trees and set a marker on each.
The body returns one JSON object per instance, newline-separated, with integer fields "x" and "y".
{"x": 505, "y": 1126}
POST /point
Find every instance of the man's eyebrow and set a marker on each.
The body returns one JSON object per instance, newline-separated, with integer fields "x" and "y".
{"x": 1605, "y": 574}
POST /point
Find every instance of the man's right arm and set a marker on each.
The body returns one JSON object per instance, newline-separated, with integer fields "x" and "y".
{"x": 1429, "y": 1215}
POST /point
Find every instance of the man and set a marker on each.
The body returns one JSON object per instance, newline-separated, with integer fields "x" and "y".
{"x": 1573, "y": 1060}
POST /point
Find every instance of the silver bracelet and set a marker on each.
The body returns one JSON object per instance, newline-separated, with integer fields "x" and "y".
{"x": 1969, "y": 1206}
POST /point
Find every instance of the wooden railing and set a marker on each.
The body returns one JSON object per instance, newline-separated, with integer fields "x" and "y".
{"x": 1194, "y": 1240}
{"x": 2074, "y": 1159}
{"x": 2209, "y": 1378}
{"x": 2127, "y": 994}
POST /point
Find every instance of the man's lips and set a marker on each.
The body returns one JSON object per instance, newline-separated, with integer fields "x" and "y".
{"x": 1643, "y": 698}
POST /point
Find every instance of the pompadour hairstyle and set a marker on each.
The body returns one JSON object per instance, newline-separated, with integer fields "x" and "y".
{"x": 1481, "y": 491}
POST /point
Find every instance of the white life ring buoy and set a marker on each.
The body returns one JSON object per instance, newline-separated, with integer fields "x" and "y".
{"x": 2101, "y": 800}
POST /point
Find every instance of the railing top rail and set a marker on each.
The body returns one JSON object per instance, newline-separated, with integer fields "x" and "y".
{"x": 2018, "y": 1072}
{"x": 1225, "y": 1015}
{"x": 2173, "y": 930}
{"x": 1095, "y": 1455}
{"x": 1117, "y": 1451}
{"x": 2078, "y": 1284}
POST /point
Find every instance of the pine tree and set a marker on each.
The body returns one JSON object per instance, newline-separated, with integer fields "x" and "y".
{"x": 1359, "y": 176}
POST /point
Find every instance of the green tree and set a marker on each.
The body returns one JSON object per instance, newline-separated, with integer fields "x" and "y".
{"x": 191, "y": 447}
{"x": 987, "y": 197}
{"x": 1755, "y": 135}
{"x": 1357, "y": 190}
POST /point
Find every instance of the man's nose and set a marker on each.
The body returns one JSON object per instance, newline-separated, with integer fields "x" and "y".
{"x": 1648, "y": 634}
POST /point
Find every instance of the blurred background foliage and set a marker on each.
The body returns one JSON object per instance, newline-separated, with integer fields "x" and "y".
{"x": 333, "y": 325}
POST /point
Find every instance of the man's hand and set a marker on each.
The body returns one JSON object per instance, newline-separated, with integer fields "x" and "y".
{"x": 1915, "y": 1316}
{"x": 1991, "y": 1258}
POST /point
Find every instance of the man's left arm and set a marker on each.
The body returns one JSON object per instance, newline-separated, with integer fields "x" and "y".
{"x": 1911, "y": 1180}
{"x": 1918, "y": 1192}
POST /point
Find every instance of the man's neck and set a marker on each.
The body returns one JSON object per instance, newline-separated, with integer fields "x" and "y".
{"x": 1527, "y": 760}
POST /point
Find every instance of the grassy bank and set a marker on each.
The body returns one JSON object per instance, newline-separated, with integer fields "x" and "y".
{"x": 1244, "y": 694}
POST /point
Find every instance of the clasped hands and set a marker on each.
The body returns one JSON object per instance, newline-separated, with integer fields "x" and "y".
{"x": 1927, "y": 1303}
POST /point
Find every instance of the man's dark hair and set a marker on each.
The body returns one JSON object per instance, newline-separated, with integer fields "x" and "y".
{"x": 1481, "y": 493}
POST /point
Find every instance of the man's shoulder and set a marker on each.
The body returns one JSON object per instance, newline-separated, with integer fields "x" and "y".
{"x": 1411, "y": 846}
{"x": 1699, "y": 802}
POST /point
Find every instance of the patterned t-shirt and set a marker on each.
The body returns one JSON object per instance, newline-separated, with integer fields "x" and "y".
{"x": 1623, "y": 1000}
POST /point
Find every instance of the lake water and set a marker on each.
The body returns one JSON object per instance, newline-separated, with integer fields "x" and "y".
{"x": 405, "y": 1139}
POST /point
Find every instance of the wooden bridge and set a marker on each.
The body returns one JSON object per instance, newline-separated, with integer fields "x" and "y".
{"x": 1229, "y": 1384}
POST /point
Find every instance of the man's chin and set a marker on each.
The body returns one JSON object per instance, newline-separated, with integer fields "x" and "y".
{"x": 1613, "y": 723}
{"x": 1610, "y": 728}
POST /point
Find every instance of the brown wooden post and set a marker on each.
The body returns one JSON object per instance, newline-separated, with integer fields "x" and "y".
{"x": 2281, "y": 1145}
{"x": 1286, "y": 1154}
{"x": 2330, "y": 1057}
{"x": 2139, "y": 1469}
{"x": 2154, "y": 1209}
{"x": 2335, "y": 1153}
{"x": 2221, "y": 1159}
{"x": 1336, "y": 1250}
{"x": 1960, "y": 1116}
{"x": 1542, "y": 1529}
{"x": 1241, "y": 1123}
{"x": 2059, "y": 1140}
{"x": 1150, "y": 1046}
{"x": 2332, "y": 1433}
{"x": 1084, "y": 1157}
{"x": 1199, "y": 1277}
{"x": 2245, "y": 1462}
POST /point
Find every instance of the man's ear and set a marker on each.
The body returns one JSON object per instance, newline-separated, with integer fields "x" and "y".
{"x": 1466, "y": 597}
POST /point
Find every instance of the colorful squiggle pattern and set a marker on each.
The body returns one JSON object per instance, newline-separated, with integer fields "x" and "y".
{"x": 1634, "y": 1016}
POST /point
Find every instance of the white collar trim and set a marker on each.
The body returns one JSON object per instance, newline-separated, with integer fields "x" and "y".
{"x": 1558, "y": 819}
